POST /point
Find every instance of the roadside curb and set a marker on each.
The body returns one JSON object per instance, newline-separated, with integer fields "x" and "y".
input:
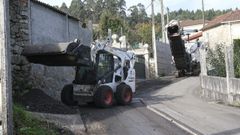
{"x": 169, "y": 118}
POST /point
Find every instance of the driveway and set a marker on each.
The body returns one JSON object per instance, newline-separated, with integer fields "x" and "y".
{"x": 181, "y": 101}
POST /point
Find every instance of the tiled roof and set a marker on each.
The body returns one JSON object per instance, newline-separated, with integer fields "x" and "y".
{"x": 230, "y": 16}
{"x": 54, "y": 8}
{"x": 185, "y": 23}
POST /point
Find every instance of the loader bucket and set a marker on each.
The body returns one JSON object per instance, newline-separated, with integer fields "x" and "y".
{"x": 60, "y": 54}
{"x": 177, "y": 46}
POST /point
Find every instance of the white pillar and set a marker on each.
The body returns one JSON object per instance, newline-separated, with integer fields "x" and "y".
{"x": 146, "y": 57}
{"x": 229, "y": 70}
{"x": 203, "y": 62}
{"x": 5, "y": 67}
{"x": 154, "y": 42}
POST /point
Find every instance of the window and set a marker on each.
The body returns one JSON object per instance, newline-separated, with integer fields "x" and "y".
{"x": 105, "y": 66}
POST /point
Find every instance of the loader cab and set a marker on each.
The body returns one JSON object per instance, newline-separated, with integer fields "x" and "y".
{"x": 104, "y": 66}
{"x": 102, "y": 70}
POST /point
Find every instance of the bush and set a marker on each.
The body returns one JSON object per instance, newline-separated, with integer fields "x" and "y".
{"x": 236, "y": 58}
{"x": 216, "y": 61}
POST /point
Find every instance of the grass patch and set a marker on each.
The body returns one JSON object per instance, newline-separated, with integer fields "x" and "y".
{"x": 26, "y": 124}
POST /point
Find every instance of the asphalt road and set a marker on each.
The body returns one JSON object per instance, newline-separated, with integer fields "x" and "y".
{"x": 181, "y": 101}
{"x": 134, "y": 119}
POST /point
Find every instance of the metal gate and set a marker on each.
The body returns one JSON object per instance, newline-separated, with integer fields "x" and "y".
{"x": 140, "y": 67}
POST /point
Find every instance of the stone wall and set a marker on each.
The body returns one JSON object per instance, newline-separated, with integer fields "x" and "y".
{"x": 164, "y": 59}
{"x": 19, "y": 37}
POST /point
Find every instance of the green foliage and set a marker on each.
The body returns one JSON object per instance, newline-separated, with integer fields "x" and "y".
{"x": 137, "y": 15}
{"x": 144, "y": 30}
{"x": 77, "y": 9}
{"x": 236, "y": 58}
{"x": 109, "y": 21}
{"x": 195, "y": 15}
{"x": 93, "y": 9}
{"x": 64, "y": 7}
{"x": 216, "y": 59}
{"x": 25, "y": 124}
{"x": 111, "y": 14}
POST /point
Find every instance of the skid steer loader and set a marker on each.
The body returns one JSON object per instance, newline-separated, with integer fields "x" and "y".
{"x": 103, "y": 73}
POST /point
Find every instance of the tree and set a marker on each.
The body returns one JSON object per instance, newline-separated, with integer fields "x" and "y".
{"x": 77, "y": 9}
{"x": 64, "y": 7}
{"x": 133, "y": 18}
{"x": 122, "y": 8}
{"x": 216, "y": 58}
{"x": 236, "y": 57}
{"x": 137, "y": 14}
{"x": 142, "y": 15}
{"x": 109, "y": 21}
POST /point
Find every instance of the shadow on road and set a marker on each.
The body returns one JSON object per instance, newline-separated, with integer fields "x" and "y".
{"x": 154, "y": 85}
{"x": 147, "y": 89}
{"x": 160, "y": 98}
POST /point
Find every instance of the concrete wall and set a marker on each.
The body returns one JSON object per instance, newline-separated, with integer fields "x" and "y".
{"x": 49, "y": 26}
{"x": 33, "y": 22}
{"x": 164, "y": 59}
{"x": 214, "y": 88}
{"x": 6, "y": 118}
{"x": 219, "y": 88}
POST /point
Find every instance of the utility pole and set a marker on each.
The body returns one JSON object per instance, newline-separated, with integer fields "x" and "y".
{"x": 163, "y": 22}
{"x": 154, "y": 41}
{"x": 6, "y": 124}
{"x": 167, "y": 41}
{"x": 203, "y": 13}
{"x": 167, "y": 15}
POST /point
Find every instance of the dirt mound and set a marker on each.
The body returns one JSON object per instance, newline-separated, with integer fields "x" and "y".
{"x": 37, "y": 101}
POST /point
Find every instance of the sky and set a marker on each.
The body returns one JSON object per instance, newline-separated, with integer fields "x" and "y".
{"x": 171, "y": 4}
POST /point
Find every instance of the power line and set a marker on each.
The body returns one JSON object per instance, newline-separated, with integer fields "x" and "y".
{"x": 148, "y": 6}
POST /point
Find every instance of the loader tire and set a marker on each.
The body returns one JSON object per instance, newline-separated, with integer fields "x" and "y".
{"x": 123, "y": 94}
{"x": 103, "y": 97}
{"x": 67, "y": 95}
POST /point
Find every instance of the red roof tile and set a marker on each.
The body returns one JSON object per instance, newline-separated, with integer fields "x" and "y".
{"x": 230, "y": 16}
{"x": 185, "y": 23}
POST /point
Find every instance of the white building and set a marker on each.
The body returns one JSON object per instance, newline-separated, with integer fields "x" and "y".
{"x": 223, "y": 29}
{"x": 193, "y": 28}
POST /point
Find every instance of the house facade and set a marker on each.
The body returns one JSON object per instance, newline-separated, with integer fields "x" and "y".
{"x": 223, "y": 29}
{"x": 192, "y": 29}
